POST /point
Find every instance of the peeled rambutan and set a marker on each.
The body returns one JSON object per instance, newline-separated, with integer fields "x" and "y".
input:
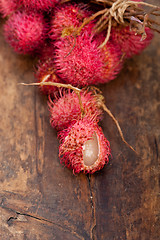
{"x": 65, "y": 110}
{"x": 80, "y": 62}
{"x": 40, "y": 5}
{"x": 25, "y": 31}
{"x": 84, "y": 147}
{"x": 129, "y": 41}
{"x": 7, "y": 7}
{"x": 66, "y": 18}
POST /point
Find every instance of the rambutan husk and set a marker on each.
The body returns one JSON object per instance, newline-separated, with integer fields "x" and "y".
{"x": 129, "y": 42}
{"x": 48, "y": 76}
{"x": 42, "y": 5}
{"x": 25, "y": 31}
{"x": 80, "y": 62}
{"x": 46, "y": 73}
{"x": 74, "y": 141}
{"x": 65, "y": 109}
{"x": 8, "y": 7}
{"x": 45, "y": 70}
{"x": 66, "y": 18}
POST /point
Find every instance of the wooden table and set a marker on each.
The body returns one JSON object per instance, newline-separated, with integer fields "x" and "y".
{"x": 40, "y": 199}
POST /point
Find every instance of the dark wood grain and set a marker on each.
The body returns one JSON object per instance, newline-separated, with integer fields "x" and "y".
{"x": 40, "y": 199}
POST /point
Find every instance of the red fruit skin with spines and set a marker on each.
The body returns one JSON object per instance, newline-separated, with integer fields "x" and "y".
{"x": 46, "y": 74}
{"x": 7, "y": 7}
{"x": 66, "y": 18}
{"x": 74, "y": 60}
{"x": 25, "y": 31}
{"x": 45, "y": 70}
{"x": 113, "y": 61}
{"x": 40, "y": 5}
{"x": 130, "y": 42}
{"x": 80, "y": 62}
{"x": 65, "y": 109}
{"x": 72, "y": 142}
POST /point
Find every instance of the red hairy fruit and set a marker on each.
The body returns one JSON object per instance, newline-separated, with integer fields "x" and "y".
{"x": 112, "y": 62}
{"x": 130, "y": 42}
{"x": 44, "y": 76}
{"x": 46, "y": 72}
{"x": 84, "y": 147}
{"x": 25, "y": 31}
{"x": 7, "y": 7}
{"x": 40, "y": 5}
{"x": 66, "y": 18}
{"x": 80, "y": 62}
{"x": 66, "y": 110}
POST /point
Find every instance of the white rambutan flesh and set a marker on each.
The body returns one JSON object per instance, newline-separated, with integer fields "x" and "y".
{"x": 91, "y": 151}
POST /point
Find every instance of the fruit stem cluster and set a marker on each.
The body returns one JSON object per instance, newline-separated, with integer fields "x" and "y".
{"x": 123, "y": 12}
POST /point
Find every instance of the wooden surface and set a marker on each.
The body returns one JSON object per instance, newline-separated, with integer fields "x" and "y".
{"x": 40, "y": 199}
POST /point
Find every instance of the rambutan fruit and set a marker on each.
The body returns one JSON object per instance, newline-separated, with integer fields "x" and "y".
{"x": 80, "y": 62}
{"x": 44, "y": 75}
{"x": 66, "y": 18}
{"x": 25, "y": 31}
{"x": 45, "y": 71}
{"x": 112, "y": 62}
{"x": 65, "y": 110}
{"x": 129, "y": 41}
{"x": 7, "y": 7}
{"x": 84, "y": 147}
{"x": 40, "y": 5}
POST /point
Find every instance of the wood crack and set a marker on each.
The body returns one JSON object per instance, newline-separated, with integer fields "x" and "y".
{"x": 92, "y": 235}
{"x": 156, "y": 148}
{"x": 36, "y": 131}
{"x": 11, "y": 219}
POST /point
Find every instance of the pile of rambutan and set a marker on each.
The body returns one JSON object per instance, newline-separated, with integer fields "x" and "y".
{"x": 77, "y": 45}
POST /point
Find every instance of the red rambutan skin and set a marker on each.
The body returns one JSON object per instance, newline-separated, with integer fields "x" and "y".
{"x": 113, "y": 62}
{"x": 72, "y": 146}
{"x": 80, "y": 62}
{"x": 40, "y": 5}
{"x": 25, "y": 31}
{"x": 45, "y": 71}
{"x": 46, "y": 74}
{"x": 130, "y": 42}
{"x": 66, "y": 110}
{"x": 66, "y": 18}
{"x": 7, "y": 7}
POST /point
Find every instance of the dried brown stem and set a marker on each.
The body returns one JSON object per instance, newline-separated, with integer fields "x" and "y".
{"x": 59, "y": 85}
{"x": 103, "y": 18}
{"x": 87, "y": 20}
{"x": 108, "y": 33}
{"x": 118, "y": 126}
{"x": 120, "y": 11}
{"x": 109, "y": 3}
{"x": 100, "y": 101}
